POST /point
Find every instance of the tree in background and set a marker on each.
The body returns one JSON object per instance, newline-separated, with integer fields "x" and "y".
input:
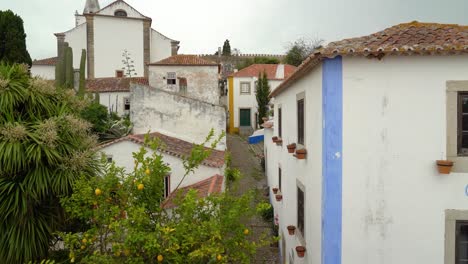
{"x": 261, "y": 93}
{"x": 226, "y": 48}
{"x": 44, "y": 149}
{"x": 257, "y": 60}
{"x": 12, "y": 39}
{"x": 82, "y": 86}
{"x": 300, "y": 49}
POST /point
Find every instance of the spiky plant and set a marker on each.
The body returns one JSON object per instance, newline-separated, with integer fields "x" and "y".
{"x": 44, "y": 148}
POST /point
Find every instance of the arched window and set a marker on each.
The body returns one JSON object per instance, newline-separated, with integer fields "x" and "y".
{"x": 120, "y": 13}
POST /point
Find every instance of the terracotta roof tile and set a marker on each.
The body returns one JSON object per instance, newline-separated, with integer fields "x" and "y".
{"x": 113, "y": 84}
{"x": 412, "y": 38}
{"x": 191, "y": 60}
{"x": 49, "y": 61}
{"x": 255, "y": 69}
{"x": 174, "y": 147}
{"x": 204, "y": 188}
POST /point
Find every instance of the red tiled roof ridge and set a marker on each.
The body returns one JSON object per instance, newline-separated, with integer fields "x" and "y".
{"x": 214, "y": 184}
{"x": 413, "y": 38}
{"x": 173, "y": 146}
{"x": 185, "y": 59}
{"x": 47, "y": 61}
{"x": 114, "y": 84}
{"x": 255, "y": 69}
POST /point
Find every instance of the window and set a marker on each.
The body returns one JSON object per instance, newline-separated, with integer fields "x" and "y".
{"x": 461, "y": 242}
{"x": 279, "y": 178}
{"x": 167, "y": 186}
{"x": 119, "y": 73}
{"x": 171, "y": 78}
{"x": 300, "y": 210}
{"x": 120, "y": 13}
{"x": 109, "y": 158}
{"x": 183, "y": 85}
{"x": 300, "y": 121}
{"x": 245, "y": 88}
{"x": 279, "y": 122}
{"x": 126, "y": 103}
{"x": 462, "y": 124}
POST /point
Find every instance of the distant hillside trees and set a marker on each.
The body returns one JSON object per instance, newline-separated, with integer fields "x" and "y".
{"x": 300, "y": 49}
{"x": 12, "y": 39}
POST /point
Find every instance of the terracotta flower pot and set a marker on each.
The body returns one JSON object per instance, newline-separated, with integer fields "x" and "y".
{"x": 279, "y": 142}
{"x": 291, "y": 148}
{"x": 301, "y": 153}
{"x": 275, "y": 190}
{"x": 279, "y": 197}
{"x": 291, "y": 229}
{"x": 444, "y": 166}
{"x": 300, "y": 251}
{"x": 275, "y": 138}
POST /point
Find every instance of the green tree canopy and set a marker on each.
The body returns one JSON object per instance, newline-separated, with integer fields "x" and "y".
{"x": 300, "y": 49}
{"x": 226, "y": 48}
{"x": 44, "y": 149}
{"x": 261, "y": 94}
{"x": 12, "y": 39}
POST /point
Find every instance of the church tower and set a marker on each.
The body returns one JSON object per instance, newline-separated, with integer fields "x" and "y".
{"x": 92, "y": 6}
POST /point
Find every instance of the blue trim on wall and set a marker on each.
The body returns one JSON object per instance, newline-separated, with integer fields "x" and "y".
{"x": 332, "y": 145}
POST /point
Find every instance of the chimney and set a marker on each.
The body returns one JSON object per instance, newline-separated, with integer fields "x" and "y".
{"x": 174, "y": 47}
{"x": 92, "y": 6}
{"x": 219, "y": 51}
{"x": 60, "y": 43}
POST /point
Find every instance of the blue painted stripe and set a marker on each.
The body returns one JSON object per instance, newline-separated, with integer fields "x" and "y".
{"x": 332, "y": 145}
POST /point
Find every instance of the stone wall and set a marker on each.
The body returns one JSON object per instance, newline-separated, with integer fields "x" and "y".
{"x": 175, "y": 115}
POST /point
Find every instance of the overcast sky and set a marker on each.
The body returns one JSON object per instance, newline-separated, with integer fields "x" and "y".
{"x": 253, "y": 26}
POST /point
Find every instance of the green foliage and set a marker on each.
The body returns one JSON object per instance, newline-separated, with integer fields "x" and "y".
{"x": 96, "y": 114}
{"x": 261, "y": 94}
{"x": 82, "y": 86}
{"x": 12, "y": 39}
{"x": 226, "y": 48}
{"x": 257, "y": 60}
{"x": 44, "y": 149}
{"x": 231, "y": 174}
{"x": 69, "y": 74}
{"x": 128, "y": 225}
{"x": 60, "y": 67}
{"x": 300, "y": 49}
{"x": 266, "y": 211}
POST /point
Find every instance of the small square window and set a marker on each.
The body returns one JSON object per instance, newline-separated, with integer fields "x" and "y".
{"x": 126, "y": 103}
{"x": 462, "y": 124}
{"x": 119, "y": 74}
{"x": 300, "y": 121}
{"x": 171, "y": 78}
{"x": 300, "y": 211}
{"x": 109, "y": 158}
{"x": 245, "y": 88}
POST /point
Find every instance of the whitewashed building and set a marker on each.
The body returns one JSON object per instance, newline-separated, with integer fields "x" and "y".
{"x": 106, "y": 33}
{"x": 374, "y": 114}
{"x": 206, "y": 179}
{"x": 182, "y": 100}
{"x": 242, "y": 103}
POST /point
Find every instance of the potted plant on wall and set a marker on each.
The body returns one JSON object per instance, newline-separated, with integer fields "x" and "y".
{"x": 279, "y": 197}
{"x": 279, "y": 142}
{"x": 291, "y": 147}
{"x": 300, "y": 251}
{"x": 275, "y": 190}
{"x": 274, "y": 139}
{"x": 444, "y": 166}
{"x": 291, "y": 229}
{"x": 301, "y": 153}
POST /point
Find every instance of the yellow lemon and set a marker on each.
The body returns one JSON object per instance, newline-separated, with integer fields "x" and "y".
{"x": 219, "y": 257}
{"x": 127, "y": 252}
{"x": 98, "y": 192}
{"x": 83, "y": 247}
{"x": 141, "y": 186}
{"x": 147, "y": 171}
{"x": 246, "y": 232}
{"x": 160, "y": 258}
{"x": 117, "y": 253}
{"x": 84, "y": 240}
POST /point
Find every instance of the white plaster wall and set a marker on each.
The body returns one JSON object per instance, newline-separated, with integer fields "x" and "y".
{"x": 160, "y": 46}
{"x": 122, "y": 155}
{"x": 248, "y": 100}
{"x": 79, "y": 20}
{"x": 110, "y": 10}
{"x": 76, "y": 39}
{"x": 308, "y": 172}
{"x": 394, "y": 130}
{"x": 112, "y": 36}
{"x": 114, "y": 101}
{"x": 46, "y": 72}
{"x": 202, "y": 81}
{"x": 156, "y": 110}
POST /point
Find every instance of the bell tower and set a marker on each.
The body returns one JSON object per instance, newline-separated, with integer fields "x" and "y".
{"x": 92, "y": 6}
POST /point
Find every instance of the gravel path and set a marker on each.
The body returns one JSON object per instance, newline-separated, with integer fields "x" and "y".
{"x": 246, "y": 158}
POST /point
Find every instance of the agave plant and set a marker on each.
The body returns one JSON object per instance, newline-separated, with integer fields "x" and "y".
{"x": 44, "y": 148}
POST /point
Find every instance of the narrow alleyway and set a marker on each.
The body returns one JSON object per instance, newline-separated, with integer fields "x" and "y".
{"x": 246, "y": 158}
